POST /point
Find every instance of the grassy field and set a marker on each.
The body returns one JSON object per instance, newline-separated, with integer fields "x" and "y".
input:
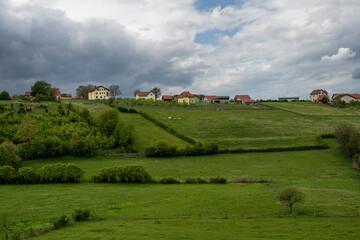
{"x": 250, "y": 129}
{"x": 311, "y": 108}
{"x": 145, "y": 133}
{"x": 330, "y": 183}
{"x": 282, "y": 229}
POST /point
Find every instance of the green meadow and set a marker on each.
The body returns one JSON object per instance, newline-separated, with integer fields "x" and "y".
{"x": 205, "y": 211}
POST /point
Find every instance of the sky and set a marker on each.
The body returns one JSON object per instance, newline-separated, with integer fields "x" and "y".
{"x": 267, "y": 49}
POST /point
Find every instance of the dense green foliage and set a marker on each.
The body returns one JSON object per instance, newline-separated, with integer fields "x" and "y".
{"x": 81, "y": 215}
{"x": 62, "y": 221}
{"x": 128, "y": 174}
{"x": 4, "y": 96}
{"x": 9, "y": 154}
{"x": 218, "y": 180}
{"x": 49, "y": 173}
{"x": 169, "y": 180}
{"x": 162, "y": 149}
{"x": 195, "y": 180}
{"x": 349, "y": 139}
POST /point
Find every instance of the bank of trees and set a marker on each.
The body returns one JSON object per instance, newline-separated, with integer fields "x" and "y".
{"x": 349, "y": 139}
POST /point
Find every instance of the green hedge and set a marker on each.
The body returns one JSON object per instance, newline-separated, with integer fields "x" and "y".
{"x": 50, "y": 173}
{"x": 128, "y": 174}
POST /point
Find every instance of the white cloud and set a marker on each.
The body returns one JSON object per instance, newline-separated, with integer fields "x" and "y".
{"x": 341, "y": 55}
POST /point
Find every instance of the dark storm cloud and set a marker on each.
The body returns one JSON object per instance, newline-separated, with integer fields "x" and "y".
{"x": 356, "y": 73}
{"x": 38, "y": 43}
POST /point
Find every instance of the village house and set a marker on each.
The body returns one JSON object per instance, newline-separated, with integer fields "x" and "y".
{"x": 186, "y": 97}
{"x": 245, "y": 100}
{"x": 145, "y": 95}
{"x": 66, "y": 96}
{"x": 167, "y": 98}
{"x": 211, "y": 99}
{"x": 318, "y": 95}
{"x": 223, "y": 99}
{"x": 346, "y": 97}
{"x": 98, "y": 92}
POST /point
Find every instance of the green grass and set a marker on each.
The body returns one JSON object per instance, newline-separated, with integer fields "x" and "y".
{"x": 311, "y": 108}
{"x": 249, "y": 129}
{"x": 146, "y": 133}
{"x": 326, "y": 176}
{"x": 287, "y": 229}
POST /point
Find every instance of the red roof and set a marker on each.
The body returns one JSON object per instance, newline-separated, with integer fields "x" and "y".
{"x": 317, "y": 91}
{"x": 56, "y": 91}
{"x": 167, "y": 97}
{"x": 243, "y": 97}
{"x": 356, "y": 96}
{"x": 320, "y": 98}
{"x": 143, "y": 94}
{"x": 185, "y": 94}
{"x": 96, "y": 87}
{"x": 28, "y": 94}
{"x": 212, "y": 98}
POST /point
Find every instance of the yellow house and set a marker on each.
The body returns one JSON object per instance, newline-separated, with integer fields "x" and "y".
{"x": 98, "y": 93}
{"x": 186, "y": 97}
{"x": 145, "y": 95}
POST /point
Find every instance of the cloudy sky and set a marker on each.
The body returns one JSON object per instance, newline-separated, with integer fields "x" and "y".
{"x": 267, "y": 49}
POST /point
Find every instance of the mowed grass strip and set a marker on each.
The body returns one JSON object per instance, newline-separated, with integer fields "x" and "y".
{"x": 249, "y": 128}
{"x": 44, "y": 203}
{"x": 312, "y": 108}
{"x": 247, "y": 229}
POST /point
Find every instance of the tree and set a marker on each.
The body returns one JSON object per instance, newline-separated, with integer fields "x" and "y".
{"x": 348, "y": 137}
{"x": 325, "y": 100}
{"x": 82, "y": 91}
{"x": 40, "y": 88}
{"x": 135, "y": 92}
{"x": 114, "y": 91}
{"x": 4, "y": 96}
{"x": 337, "y": 102}
{"x": 107, "y": 121}
{"x": 290, "y": 196}
{"x": 156, "y": 91}
{"x": 9, "y": 154}
{"x": 27, "y": 130}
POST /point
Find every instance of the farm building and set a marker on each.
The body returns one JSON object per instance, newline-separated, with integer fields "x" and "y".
{"x": 318, "y": 95}
{"x": 244, "y": 99}
{"x": 223, "y": 99}
{"x": 346, "y": 97}
{"x": 98, "y": 92}
{"x": 167, "y": 98}
{"x": 145, "y": 95}
{"x": 211, "y": 99}
{"x": 186, "y": 97}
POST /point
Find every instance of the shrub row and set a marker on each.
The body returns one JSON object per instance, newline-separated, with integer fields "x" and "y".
{"x": 171, "y": 180}
{"x": 50, "y": 173}
{"x": 163, "y": 149}
{"x": 166, "y": 128}
{"x": 349, "y": 138}
{"x": 276, "y": 149}
{"x": 127, "y": 110}
{"x": 128, "y": 174}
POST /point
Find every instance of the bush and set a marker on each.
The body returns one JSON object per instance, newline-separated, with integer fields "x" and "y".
{"x": 4, "y": 96}
{"x": 169, "y": 180}
{"x": 27, "y": 175}
{"x": 349, "y": 138}
{"x": 61, "y": 222}
{"x": 9, "y": 154}
{"x": 81, "y": 215}
{"x": 124, "y": 136}
{"x": 107, "y": 121}
{"x": 60, "y": 173}
{"x": 161, "y": 149}
{"x": 7, "y": 175}
{"x": 290, "y": 196}
{"x": 218, "y": 179}
{"x": 195, "y": 180}
{"x": 128, "y": 174}
{"x": 82, "y": 147}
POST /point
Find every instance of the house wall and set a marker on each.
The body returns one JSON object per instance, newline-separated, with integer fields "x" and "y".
{"x": 314, "y": 97}
{"x": 151, "y": 96}
{"x": 98, "y": 94}
{"x": 186, "y": 100}
{"x": 347, "y": 98}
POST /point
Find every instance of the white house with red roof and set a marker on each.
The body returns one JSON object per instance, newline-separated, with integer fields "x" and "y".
{"x": 98, "y": 93}
{"x": 145, "y": 95}
{"x": 346, "y": 97}
{"x": 318, "y": 95}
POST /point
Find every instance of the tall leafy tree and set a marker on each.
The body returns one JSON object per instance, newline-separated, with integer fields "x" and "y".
{"x": 156, "y": 91}
{"x": 40, "y": 88}
{"x": 4, "y": 96}
{"x": 114, "y": 91}
{"x": 82, "y": 91}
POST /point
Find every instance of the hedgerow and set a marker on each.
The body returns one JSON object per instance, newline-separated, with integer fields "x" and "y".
{"x": 128, "y": 174}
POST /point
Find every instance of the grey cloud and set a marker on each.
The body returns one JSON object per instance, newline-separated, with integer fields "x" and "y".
{"x": 356, "y": 73}
{"x": 44, "y": 44}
